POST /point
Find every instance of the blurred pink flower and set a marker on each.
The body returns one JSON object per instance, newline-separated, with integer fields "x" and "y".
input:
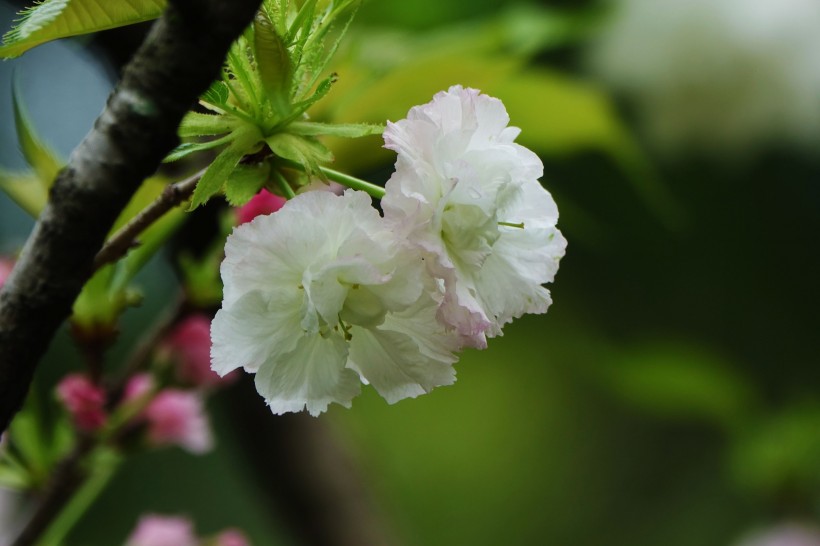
{"x": 262, "y": 203}
{"x": 84, "y": 400}
{"x": 154, "y": 530}
{"x": 137, "y": 386}
{"x": 189, "y": 345}
{"x": 178, "y": 417}
{"x": 232, "y": 537}
{"x": 5, "y": 269}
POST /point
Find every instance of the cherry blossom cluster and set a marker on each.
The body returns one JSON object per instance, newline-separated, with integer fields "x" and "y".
{"x": 326, "y": 293}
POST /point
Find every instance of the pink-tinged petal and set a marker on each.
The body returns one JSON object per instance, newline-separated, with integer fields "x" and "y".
{"x": 155, "y": 530}
{"x": 468, "y": 198}
{"x": 177, "y": 417}
{"x": 84, "y": 401}
{"x": 263, "y": 203}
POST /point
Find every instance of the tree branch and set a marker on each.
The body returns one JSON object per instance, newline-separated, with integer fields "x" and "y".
{"x": 180, "y": 57}
{"x": 125, "y": 239}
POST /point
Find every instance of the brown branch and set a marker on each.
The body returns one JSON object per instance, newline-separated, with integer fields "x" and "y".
{"x": 182, "y": 54}
{"x": 126, "y": 237}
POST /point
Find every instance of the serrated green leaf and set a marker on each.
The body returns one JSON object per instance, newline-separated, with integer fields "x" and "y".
{"x": 53, "y": 19}
{"x": 306, "y": 151}
{"x": 25, "y": 189}
{"x": 243, "y": 141}
{"x": 245, "y": 182}
{"x": 42, "y": 158}
{"x": 195, "y": 124}
{"x": 187, "y": 148}
{"x": 272, "y": 62}
{"x": 216, "y": 96}
{"x": 344, "y": 130}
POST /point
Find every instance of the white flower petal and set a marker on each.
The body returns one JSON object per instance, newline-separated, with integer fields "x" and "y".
{"x": 256, "y": 326}
{"x": 311, "y": 376}
{"x": 393, "y": 363}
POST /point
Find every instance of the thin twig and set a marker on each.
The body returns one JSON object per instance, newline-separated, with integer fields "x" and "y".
{"x": 126, "y": 238}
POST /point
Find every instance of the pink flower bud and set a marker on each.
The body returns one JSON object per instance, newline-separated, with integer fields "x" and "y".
{"x": 189, "y": 345}
{"x": 232, "y": 537}
{"x": 178, "y": 417}
{"x": 5, "y": 270}
{"x": 84, "y": 400}
{"x": 262, "y": 203}
{"x": 154, "y": 530}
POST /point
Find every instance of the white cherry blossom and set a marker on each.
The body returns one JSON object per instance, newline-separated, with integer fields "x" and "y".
{"x": 319, "y": 297}
{"x": 467, "y": 196}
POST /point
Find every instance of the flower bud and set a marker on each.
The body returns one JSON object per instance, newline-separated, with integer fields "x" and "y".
{"x": 84, "y": 400}
{"x": 178, "y": 417}
{"x": 154, "y": 530}
{"x": 263, "y": 203}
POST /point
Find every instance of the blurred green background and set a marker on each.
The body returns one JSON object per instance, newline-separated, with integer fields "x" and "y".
{"x": 669, "y": 397}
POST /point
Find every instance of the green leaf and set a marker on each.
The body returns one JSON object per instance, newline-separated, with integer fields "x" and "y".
{"x": 245, "y": 182}
{"x": 187, "y": 148}
{"x": 780, "y": 452}
{"x": 243, "y": 141}
{"x": 306, "y": 151}
{"x": 53, "y": 19}
{"x": 216, "y": 96}
{"x": 195, "y": 124}
{"x": 344, "y": 130}
{"x": 13, "y": 477}
{"x": 43, "y": 159}
{"x": 272, "y": 62}
{"x": 25, "y": 189}
{"x": 675, "y": 380}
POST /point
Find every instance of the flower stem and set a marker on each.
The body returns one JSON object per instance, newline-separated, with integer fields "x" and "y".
{"x": 283, "y": 183}
{"x": 104, "y": 464}
{"x": 353, "y": 182}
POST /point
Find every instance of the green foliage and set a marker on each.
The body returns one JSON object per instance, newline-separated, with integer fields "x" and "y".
{"x": 274, "y": 73}
{"x": 53, "y": 19}
{"x": 30, "y": 189}
{"x": 681, "y": 382}
{"x": 35, "y": 446}
{"x": 780, "y": 453}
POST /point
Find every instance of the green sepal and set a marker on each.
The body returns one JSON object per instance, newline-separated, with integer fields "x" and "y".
{"x": 345, "y": 130}
{"x": 53, "y": 19}
{"x": 245, "y": 182}
{"x": 307, "y": 151}
{"x": 243, "y": 141}
{"x": 45, "y": 162}
{"x": 195, "y": 124}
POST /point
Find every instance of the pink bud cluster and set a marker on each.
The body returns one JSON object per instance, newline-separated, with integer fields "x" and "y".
{"x": 170, "y": 416}
{"x": 156, "y": 530}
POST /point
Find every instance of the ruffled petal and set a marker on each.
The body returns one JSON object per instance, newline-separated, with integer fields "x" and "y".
{"x": 311, "y": 376}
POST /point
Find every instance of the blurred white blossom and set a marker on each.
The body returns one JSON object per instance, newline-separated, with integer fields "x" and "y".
{"x": 717, "y": 75}
{"x": 468, "y": 199}
{"x": 785, "y": 534}
{"x": 319, "y": 295}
